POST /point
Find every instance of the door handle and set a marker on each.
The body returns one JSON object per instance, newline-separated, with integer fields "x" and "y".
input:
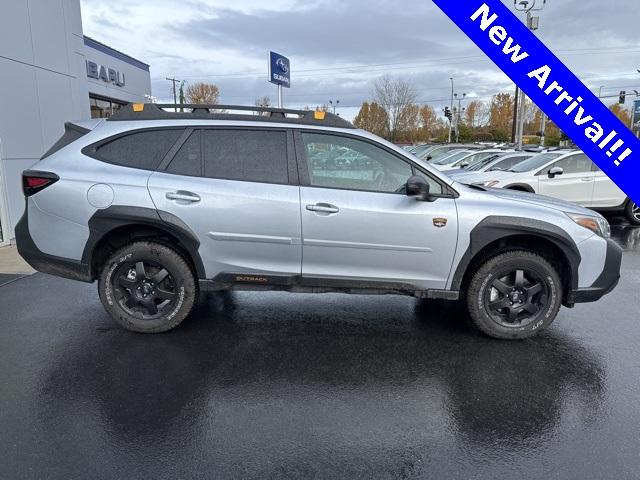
{"x": 586, "y": 179}
{"x": 183, "y": 196}
{"x": 323, "y": 208}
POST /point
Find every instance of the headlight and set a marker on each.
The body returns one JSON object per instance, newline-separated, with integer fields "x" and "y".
{"x": 488, "y": 183}
{"x": 597, "y": 225}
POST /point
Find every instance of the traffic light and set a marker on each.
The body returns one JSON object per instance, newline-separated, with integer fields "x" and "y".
{"x": 623, "y": 97}
{"x": 447, "y": 113}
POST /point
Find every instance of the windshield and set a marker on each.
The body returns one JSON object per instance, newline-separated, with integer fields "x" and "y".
{"x": 456, "y": 155}
{"x": 534, "y": 162}
{"x": 440, "y": 152}
{"x": 508, "y": 162}
{"x": 474, "y": 167}
{"x": 473, "y": 158}
{"x": 422, "y": 149}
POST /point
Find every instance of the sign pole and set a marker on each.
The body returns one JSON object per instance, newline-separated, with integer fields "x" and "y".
{"x": 280, "y": 74}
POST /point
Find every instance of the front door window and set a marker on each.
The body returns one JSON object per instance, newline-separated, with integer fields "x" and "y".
{"x": 341, "y": 162}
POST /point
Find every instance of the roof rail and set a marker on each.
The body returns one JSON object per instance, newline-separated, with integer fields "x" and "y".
{"x": 159, "y": 111}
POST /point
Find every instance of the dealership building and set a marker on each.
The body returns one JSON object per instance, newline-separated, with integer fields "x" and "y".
{"x": 50, "y": 74}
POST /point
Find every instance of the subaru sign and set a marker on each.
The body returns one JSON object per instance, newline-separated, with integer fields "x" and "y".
{"x": 106, "y": 74}
{"x": 279, "y": 70}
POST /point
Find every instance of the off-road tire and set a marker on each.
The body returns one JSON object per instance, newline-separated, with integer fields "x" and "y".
{"x": 481, "y": 290}
{"x": 183, "y": 286}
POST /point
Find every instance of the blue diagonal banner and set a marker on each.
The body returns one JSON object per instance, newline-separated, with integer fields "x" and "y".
{"x": 551, "y": 86}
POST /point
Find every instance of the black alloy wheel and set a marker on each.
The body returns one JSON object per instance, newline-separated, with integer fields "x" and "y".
{"x": 514, "y": 295}
{"x": 148, "y": 287}
{"x": 516, "y": 298}
{"x": 144, "y": 289}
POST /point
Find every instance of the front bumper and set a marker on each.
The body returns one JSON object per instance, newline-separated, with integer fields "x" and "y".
{"x": 605, "y": 283}
{"x": 43, "y": 262}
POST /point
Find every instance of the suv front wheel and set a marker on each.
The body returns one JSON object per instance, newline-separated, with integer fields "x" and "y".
{"x": 514, "y": 295}
{"x": 147, "y": 287}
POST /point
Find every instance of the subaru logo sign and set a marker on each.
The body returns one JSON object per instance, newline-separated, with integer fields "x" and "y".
{"x": 281, "y": 63}
{"x": 279, "y": 70}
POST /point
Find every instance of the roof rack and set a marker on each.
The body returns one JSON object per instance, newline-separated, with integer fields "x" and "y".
{"x": 159, "y": 111}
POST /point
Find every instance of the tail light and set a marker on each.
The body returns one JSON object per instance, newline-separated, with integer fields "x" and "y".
{"x": 33, "y": 181}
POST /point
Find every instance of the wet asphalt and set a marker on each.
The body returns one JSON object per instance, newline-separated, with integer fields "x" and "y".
{"x": 278, "y": 385}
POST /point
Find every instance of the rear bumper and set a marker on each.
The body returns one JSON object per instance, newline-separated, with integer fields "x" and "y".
{"x": 605, "y": 283}
{"x": 42, "y": 262}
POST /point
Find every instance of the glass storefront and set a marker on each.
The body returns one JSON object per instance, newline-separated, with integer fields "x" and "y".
{"x": 102, "y": 107}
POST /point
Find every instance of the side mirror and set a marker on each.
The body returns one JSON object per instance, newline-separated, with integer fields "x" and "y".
{"x": 555, "y": 171}
{"x": 464, "y": 164}
{"x": 429, "y": 158}
{"x": 418, "y": 187}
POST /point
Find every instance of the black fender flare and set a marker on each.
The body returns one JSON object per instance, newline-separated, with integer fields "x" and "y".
{"x": 106, "y": 220}
{"x": 494, "y": 228}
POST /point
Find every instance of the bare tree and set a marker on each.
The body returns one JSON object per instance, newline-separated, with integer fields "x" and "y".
{"x": 397, "y": 97}
{"x": 203, "y": 93}
{"x": 263, "y": 101}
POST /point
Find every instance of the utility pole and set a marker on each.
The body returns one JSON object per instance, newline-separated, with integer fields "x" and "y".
{"x": 533, "y": 23}
{"x": 543, "y": 127}
{"x": 451, "y": 119}
{"x": 174, "y": 81}
{"x": 515, "y": 115}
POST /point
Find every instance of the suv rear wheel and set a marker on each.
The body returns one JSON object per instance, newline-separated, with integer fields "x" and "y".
{"x": 632, "y": 212}
{"x": 147, "y": 287}
{"x": 514, "y": 295}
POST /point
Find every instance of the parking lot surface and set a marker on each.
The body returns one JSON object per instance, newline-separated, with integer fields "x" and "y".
{"x": 268, "y": 385}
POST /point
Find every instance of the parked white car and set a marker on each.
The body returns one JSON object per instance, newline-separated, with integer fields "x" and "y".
{"x": 566, "y": 174}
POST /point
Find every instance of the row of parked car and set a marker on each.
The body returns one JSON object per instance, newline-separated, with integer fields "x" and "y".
{"x": 567, "y": 174}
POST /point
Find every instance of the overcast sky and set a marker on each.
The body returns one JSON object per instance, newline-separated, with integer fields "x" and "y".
{"x": 338, "y": 48}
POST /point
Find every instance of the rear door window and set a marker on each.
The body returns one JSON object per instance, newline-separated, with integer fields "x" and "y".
{"x": 246, "y": 155}
{"x": 143, "y": 150}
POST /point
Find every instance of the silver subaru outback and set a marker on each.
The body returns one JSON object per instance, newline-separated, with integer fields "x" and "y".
{"x": 158, "y": 205}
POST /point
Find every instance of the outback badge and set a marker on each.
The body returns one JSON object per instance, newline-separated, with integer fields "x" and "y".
{"x": 439, "y": 222}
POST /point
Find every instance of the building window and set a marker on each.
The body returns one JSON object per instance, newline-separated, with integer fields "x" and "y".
{"x": 102, "y": 107}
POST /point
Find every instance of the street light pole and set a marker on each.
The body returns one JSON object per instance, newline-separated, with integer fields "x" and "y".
{"x": 451, "y": 119}
{"x": 334, "y": 105}
{"x": 458, "y": 115}
{"x": 533, "y": 23}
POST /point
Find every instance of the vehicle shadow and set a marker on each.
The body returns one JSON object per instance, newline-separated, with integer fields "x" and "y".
{"x": 143, "y": 389}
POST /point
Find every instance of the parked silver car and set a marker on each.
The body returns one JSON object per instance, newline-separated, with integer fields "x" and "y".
{"x": 159, "y": 205}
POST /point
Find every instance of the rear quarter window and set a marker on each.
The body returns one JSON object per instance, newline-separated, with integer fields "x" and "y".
{"x": 143, "y": 150}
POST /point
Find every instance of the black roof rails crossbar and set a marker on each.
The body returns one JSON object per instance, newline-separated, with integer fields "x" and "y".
{"x": 159, "y": 111}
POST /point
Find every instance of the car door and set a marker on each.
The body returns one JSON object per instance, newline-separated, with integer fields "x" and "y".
{"x": 236, "y": 189}
{"x": 359, "y": 226}
{"x": 605, "y": 192}
{"x": 575, "y": 184}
